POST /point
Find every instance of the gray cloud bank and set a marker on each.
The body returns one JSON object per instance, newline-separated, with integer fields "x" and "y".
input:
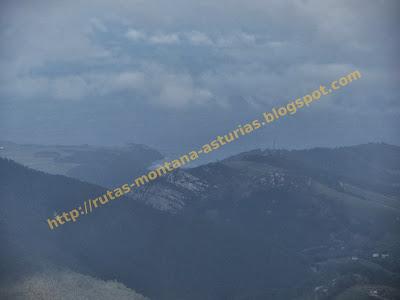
{"x": 179, "y": 72}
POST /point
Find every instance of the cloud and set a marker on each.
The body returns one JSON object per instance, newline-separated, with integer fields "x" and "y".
{"x": 135, "y": 35}
{"x": 239, "y": 38}
{"x": 166, "y": 39}
{"x": 172, "y": 38}
{"x": 148, "y": 83}
{"x": 195, "y": 38}
{"x": 129, "y": 80}
{"x": 199, "y": 38}
{"x": 180, "y": 90}
{"x": 98, "y": 25}
{"x": 200, "y": 55}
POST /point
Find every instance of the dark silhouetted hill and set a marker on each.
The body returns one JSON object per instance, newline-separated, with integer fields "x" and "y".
{"x": 259, "y": 225}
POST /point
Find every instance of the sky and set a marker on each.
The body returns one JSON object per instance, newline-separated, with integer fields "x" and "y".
{"x": 175, "y": 74}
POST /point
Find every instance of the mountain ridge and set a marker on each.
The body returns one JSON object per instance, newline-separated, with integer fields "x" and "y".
{"x": 248, "y": 227}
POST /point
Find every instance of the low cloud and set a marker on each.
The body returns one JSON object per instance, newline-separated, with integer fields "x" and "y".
{"x": 194, "y": 38}
{"x": 136, "y": 35}
{"x": 140, "y": 36}
{"x": 204, "y": 55}
{"x": 149, "y": 83}
{"x": 172, "y": 38}
{"x": 199, "y": 38}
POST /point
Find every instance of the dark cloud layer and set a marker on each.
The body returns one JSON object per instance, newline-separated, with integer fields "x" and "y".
{"x": 175, "y": 74}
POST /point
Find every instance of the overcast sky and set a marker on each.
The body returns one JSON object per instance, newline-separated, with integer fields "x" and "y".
{"x": 175, "y": 74}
